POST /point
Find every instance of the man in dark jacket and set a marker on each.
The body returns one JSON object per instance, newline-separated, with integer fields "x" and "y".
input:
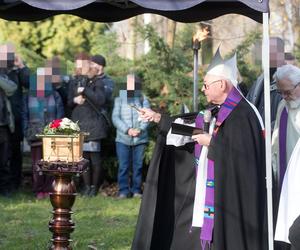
{"x": 256, "y": 96}
{"x": 7, "y": 88}
{"x": 19, "y": 74}
{"x": 87, "y": 98}
{"x": 99, "y": 63}
{"x": 256, "y": 92}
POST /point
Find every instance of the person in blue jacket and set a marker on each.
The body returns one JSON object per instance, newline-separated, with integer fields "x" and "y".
{"x": 132, "y": 136}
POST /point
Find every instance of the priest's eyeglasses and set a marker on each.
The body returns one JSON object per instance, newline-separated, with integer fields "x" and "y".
{"x": 206, "y": 85}
{"x": 287, "y": 92}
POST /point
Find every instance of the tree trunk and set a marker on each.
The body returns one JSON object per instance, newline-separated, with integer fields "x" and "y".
{"x": 171, "y": 33}
{"x": 133, "y": 37}
{"x": 296, "y": 20}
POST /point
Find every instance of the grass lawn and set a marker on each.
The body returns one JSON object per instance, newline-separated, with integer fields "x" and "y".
{"x": 101, "y": 223}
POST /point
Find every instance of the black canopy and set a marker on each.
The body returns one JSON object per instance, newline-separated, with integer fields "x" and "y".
{"x": 116, "y": 10}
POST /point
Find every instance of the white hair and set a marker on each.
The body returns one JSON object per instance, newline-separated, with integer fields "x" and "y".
{"x": 289, "y": 72}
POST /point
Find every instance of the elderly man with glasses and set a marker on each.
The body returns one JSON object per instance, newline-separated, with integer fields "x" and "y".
{"x": 207, "y": 191}
{"x": 286, "y": 149}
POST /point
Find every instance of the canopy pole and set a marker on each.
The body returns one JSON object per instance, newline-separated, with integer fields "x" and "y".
{"x": 195, "y": 86}
{"x": 266, "y": 66}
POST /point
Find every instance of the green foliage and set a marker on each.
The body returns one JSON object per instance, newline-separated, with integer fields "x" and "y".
{"x": 101, "y": 223}
{"x": 167, "y": 75}
{"x": 184, "y": 39}
{"x": 62, "y": 35}
{"x": 31, "y": 58}
{"x": 296, "y": 51}
{"x": 106, "y": 44}
{"x": 248, "y": 71}
{"x": 166, "y": 72}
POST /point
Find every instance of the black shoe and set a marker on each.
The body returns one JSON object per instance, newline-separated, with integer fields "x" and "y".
{"x": 93, "y": 191}
{"x": 86, "y": 191}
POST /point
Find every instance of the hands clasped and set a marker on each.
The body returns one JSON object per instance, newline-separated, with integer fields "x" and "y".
{"x": 134, "y": 132}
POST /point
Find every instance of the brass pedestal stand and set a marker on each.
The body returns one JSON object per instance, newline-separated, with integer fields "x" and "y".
{"x": 62, "y": 199}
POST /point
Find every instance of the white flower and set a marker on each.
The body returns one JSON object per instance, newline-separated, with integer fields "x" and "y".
{"x": 74, "y": 126}
{"x": 65, "y": 123}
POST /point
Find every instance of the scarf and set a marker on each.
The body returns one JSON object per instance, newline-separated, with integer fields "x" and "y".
{"x": 282, "y": 145}
{"x": 227, "y": 107}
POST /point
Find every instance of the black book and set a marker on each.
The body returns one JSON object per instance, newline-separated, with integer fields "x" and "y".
{"x": 185, "y": 130}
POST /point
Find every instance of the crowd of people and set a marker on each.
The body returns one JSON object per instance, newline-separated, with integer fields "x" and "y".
{"x": 29, "y": 101}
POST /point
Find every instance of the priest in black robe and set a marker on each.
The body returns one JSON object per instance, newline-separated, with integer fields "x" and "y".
{"x": 233, "y": 214}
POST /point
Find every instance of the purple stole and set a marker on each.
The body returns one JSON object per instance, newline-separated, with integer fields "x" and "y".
{"x": 227, "y": 107}
{"x": 282, "y": 145}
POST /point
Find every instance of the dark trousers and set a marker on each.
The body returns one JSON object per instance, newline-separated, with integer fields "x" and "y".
{"x": 95, "y": 175}
{"x": 5, "y": 175}
{"x": 40, "y": 183}
{"x": 16, "y": 162}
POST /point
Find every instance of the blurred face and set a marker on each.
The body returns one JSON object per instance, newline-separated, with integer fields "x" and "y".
{"x": 55, "y": 65}
{"x": 276, "y": 52}
{"x": 56, "y": 79}
{"x": 82, "y": 66}
{"x": 40, "y": 78}
{"x": 45, "y": 74}
{"x": 288, "y": 90}
{"x": 130, "y": 82}
{"x": 93, "y": 69}
{"x": 212, "y": 89}
{"x": 100, "y": 69}
{"x": 48, "y": 74}
{"x": 7, "y": 56}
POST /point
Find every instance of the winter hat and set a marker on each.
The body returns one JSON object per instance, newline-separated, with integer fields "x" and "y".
{"x": 100, "y": 60}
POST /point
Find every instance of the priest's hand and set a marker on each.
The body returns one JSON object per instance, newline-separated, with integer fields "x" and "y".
{"x": 202, "y": 139}
{"x": 148, "y": 115}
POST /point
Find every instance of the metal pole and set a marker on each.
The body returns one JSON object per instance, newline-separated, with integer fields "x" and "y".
{"x": 266, "y": 66}
{"x": 195, "y": 89}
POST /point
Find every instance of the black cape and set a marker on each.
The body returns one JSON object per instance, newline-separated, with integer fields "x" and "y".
{"x": 166, "y": 211}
